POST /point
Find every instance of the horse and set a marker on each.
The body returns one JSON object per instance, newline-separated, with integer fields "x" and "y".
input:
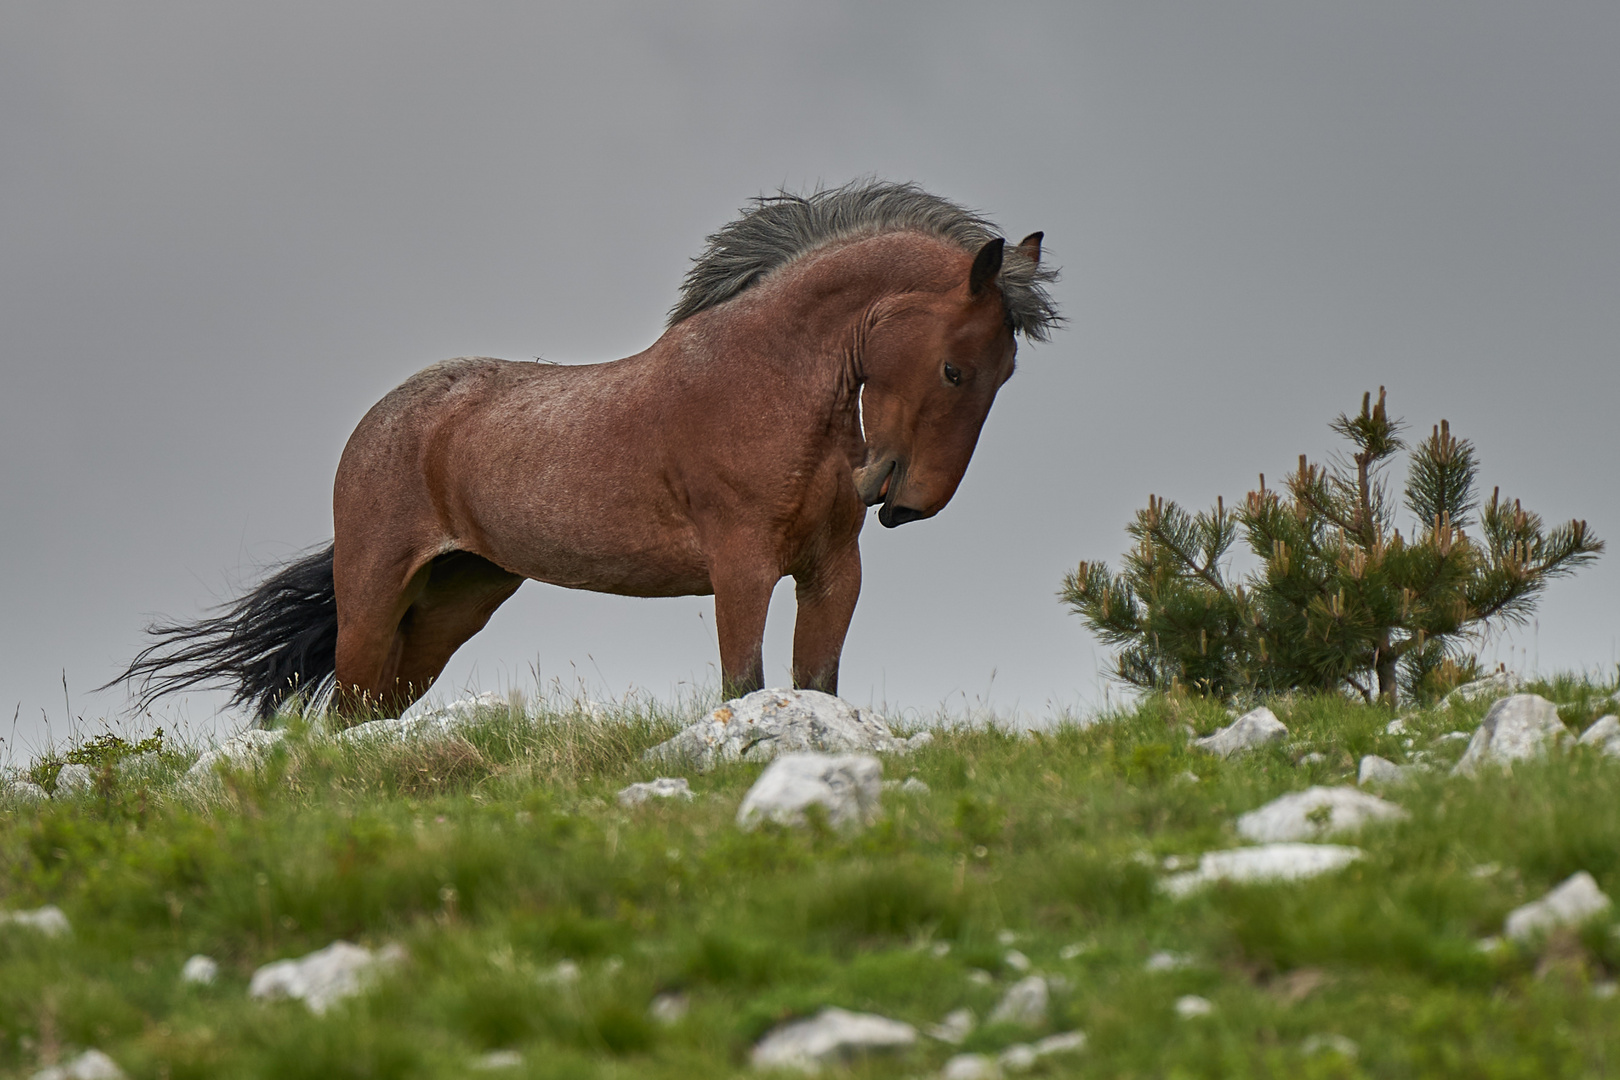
{"x": 829, "y": 353}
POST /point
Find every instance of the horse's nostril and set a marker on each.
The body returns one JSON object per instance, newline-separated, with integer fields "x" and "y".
{"x": 894, "y": 516}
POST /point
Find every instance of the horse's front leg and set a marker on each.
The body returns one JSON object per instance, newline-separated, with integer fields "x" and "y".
{"x": 826, "y": 593}
{"x": 742, "y": 584}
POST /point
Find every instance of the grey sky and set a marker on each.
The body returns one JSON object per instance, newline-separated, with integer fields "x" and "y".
{"x": 225, "y": 231}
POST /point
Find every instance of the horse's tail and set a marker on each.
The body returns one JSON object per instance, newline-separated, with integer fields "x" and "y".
{"x": 277, "y": 642}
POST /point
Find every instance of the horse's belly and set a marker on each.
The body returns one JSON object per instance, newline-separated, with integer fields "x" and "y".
{"x": 664, "y": 566}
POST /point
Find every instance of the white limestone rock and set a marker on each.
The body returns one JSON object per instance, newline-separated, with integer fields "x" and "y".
{"x": 849, "y": 787}
{"x": 74, "y": 779}
{"x": 23, "y": 790}
{"x": 497, "y": 1059}
{"x": 1603, "y": 734}
{"x": 1516, "y": 728}
{"x": 246, "y": 748}
{"x": 1329, "y": 1044}
{"x": 1164, "y": 960}
{"x": 971, "y": 1067}
{"x": 662, "y": 788}
{"x": 1026, "y": 1003}
{"x": 323, "y": 978}
{"x": 1064, "y": 1042}
{"x": 1492, "y": 686}
{"x": 956, "y": 1026}
{"x": 830, "y": 1037}
{"x": 1570, "y": 904}
{"x": 1017, "y": 1058}
{"x": 1255, "y": 728}
{"x": 1377, "y": 771}
{"x": 200, "y": 970}
{"x": 1189, "y": 1006}
{"x": 1266, "y": 864}
{"x": 669, "y": 1008}
{"x": 90, "y": 1065}
{"x": 1314, "y": 813}
{"x": 766, "y": 723}
{"x": 48, "y": 920}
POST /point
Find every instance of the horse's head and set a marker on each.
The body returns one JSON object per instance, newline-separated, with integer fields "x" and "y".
{"x": 933, "y": 363}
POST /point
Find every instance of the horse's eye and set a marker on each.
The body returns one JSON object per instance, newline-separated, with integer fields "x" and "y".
{"x": 953, "y": 374}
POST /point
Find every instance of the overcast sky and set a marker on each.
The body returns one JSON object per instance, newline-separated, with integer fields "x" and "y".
{"x": 226, "y": 230}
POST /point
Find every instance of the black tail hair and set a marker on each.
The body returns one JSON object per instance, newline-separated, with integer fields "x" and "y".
{"x": 277, "y": 642}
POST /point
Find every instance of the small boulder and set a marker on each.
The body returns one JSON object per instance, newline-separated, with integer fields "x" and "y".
{"x": 1604, "y": 734}
{"x": 1570, "y": 904}
{"x": 74, "y": 779}
{"x": 1517, "y": 727}
{"x": 1257, "y": 865}
{"x": 957, "y": 1025}
{"x": 22, "y": 789}
{"x": 971, "y": 1067}
{"x": 240, "y": 750}
{"x": 1376, "y": 770}
{"x": 766, "y": 723}
{"x": 47, "y": 920}
{"x": 830, "y": 1037}
{"x": 1026, "y": 1002}
{"x": 848, "y": 786}
{"x": 90, "y": 1065}
{"x": 1189, "y": 1006}
{"x": 1255, "y": 728}
{"x": 497, "y": 1059}
{"x": 1314, "y": 813}
{"x": 322, "y": 978}
{"x": 1491, "y": 686}
{"x": 662, "y": 788}
{"x": 200, "y": 970}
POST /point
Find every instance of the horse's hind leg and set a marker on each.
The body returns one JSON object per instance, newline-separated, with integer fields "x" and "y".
{"x": 460, "y": 593}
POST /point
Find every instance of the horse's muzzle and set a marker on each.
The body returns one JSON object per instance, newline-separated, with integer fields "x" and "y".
{"x": 892, "y": 517}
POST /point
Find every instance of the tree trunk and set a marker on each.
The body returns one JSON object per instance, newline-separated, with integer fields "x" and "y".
{"x": 1384, "y": 663}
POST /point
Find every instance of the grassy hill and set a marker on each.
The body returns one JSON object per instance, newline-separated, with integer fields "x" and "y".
{"x": 497, "y": 855}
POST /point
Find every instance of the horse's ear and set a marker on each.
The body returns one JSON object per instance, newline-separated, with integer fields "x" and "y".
{"x": 1031, "y": 247}
{"x": 986, "y": 265}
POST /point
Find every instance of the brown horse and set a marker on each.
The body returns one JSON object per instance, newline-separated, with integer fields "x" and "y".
{"x": 829, "y": 353}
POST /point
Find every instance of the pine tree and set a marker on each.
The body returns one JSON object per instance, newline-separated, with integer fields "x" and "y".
{"x": 1340, "y": 598}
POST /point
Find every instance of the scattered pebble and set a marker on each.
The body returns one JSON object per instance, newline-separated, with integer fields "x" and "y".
{"x": 1167, "y": 961}
{"x": 90, "y": 1065}
{"x": 564, "y": 973}
{"x": 1025, "y": 1002}
{"x": 324, "y": 977}
{"x": 1606, "y": 989}
{"x": 1016, "y": 960}
{"x": 1570, "y": 904}
{"x": 1070, "y": 952}
{"x": 200, "y": 970}
{"x": 1006, "y": 937}
{"x": 47, "y": 920}
{"x": 662, "y": 788}
{"x": 971, "y": 1067}
{"x": 1017, "y": 1058}
{"x": 497, "y": 1059}
{"x": 1396, "y": 726}
{"x": 1191, "y": 1005}
{"x": 957, "y": 1025}
{"x": 940, "y": 949}
{"x": 980, "y": 977}
{"x": 669, "y": 1009}
{"x": 1330, "y": 1044}
{"x": 1377, "y": 770}
{"x": 832, "y": 1036}
{"x": 1315, "y": 757}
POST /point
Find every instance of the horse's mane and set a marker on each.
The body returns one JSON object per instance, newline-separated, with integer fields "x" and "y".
{"x": 776, "y": 229}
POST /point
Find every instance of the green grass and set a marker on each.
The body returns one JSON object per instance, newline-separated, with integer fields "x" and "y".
{"x": 495, "y": 856}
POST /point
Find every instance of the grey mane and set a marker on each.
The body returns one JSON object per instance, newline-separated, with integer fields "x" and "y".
{"x": 776, "y": 229}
